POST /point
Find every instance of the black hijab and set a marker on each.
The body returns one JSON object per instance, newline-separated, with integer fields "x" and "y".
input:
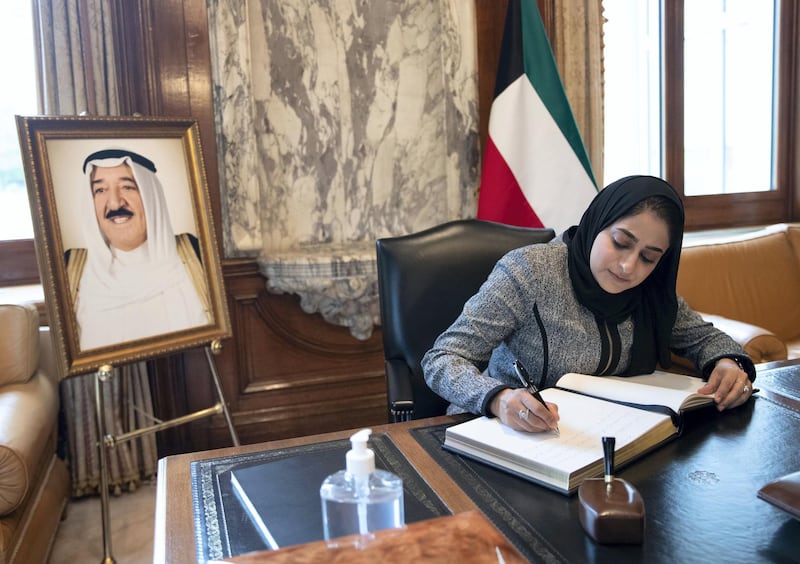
{"x": 653, "y": 304}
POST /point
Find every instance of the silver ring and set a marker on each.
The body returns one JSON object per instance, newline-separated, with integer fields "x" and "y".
{"x": 745, "y": 389}
{"x": 523, "y": 414}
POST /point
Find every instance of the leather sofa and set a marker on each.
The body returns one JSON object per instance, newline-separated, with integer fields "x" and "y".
{"x": 748, "y": 285}
{"x": 34, "y": 481}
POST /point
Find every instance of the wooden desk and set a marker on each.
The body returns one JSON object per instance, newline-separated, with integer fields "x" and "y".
{"x": 174, "y": 530}
{"x": 700, "y": 490}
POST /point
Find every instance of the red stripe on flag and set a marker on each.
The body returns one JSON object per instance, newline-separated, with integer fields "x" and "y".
{"x": 501, "y": 198}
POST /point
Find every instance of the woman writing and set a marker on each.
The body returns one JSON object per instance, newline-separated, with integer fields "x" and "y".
{"x": 599, "y": 300}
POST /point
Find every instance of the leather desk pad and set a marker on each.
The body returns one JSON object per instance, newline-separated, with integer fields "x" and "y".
{"x": 700, "y": 494}
{"x": 222, "y": 527}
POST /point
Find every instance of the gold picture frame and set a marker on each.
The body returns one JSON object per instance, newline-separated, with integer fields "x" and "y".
{"x": 66, "y": 160}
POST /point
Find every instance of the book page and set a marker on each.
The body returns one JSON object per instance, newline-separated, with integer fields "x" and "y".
{"x": 584, "y": 421}
{"x": 676, "y": 391}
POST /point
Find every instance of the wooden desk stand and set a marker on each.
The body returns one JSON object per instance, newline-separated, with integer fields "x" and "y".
{"x": 108, "y": 441}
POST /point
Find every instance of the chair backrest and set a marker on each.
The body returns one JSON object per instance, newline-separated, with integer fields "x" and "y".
{"x": 425, "y": 278}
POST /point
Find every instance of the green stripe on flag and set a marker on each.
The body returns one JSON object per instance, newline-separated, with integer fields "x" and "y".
{"x": 541, "y": 70}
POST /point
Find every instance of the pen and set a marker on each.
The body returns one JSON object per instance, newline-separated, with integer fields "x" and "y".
{"x": 525, "y": 378}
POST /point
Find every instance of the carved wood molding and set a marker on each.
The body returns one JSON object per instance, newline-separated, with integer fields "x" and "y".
{"x": 313, "y": 342}
{"x": 273, "y": 324}
{"x": 308, "y": 332}
{"x": 294, "y": 374}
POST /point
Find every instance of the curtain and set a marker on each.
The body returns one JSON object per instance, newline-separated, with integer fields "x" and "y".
{"x": 128, "y": 406}
{"x": 76, "y": 75}
{"x": 76, "y": 64}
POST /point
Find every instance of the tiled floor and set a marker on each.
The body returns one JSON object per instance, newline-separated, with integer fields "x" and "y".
{"x": 80, "y": 535}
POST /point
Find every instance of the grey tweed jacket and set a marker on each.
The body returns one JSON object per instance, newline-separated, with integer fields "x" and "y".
{"x": 473, "y": 358}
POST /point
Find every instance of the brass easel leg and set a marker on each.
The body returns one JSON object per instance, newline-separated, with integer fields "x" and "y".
{"x": 214, "y": 348}
{"x": 105, "y": 441}
{"x": 103, "y": 375}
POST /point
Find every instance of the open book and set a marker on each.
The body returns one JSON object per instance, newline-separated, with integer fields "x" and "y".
{"x": 641, "y": 412}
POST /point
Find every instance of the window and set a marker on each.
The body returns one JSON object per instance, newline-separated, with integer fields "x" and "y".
{"x": 729, "y": 78}
{"x": 696, "y": 92}
{"x": 19, "y": 97}
{"x": 632, "y": 94}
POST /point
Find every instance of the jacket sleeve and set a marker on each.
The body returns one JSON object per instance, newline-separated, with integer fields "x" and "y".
{"x": 455, "y": 368}
{"x": 703, "y": 344}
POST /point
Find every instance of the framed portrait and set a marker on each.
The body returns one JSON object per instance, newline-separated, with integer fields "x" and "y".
{"x": 124, "y": 237}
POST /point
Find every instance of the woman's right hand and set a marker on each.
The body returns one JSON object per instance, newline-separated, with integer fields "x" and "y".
{"x": 518, "y": 409}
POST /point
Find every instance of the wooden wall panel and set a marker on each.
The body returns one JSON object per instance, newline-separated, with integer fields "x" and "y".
{"x": 18, "y": 263}
{"x": 284, "y": 373}
{"x": 287, "y": 373}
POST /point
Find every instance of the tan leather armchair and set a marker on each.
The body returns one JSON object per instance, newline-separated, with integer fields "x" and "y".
{"x": 748, "y": 285}
{"x": 34, "y": 482}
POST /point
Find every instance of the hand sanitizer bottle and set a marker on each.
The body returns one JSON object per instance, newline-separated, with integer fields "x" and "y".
{"x": 361, "y": 499}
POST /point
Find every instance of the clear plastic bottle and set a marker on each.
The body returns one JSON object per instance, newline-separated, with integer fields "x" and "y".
{"x": 361, "y": 499}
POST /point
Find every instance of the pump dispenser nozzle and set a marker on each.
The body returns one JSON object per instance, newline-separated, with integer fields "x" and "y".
{"x": 361, "y": 499}
{"x": 360, "y": 459}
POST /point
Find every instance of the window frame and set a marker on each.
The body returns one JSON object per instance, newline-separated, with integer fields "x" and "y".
{"x": 729, "y": 210}
{"x": 18, "y": 260}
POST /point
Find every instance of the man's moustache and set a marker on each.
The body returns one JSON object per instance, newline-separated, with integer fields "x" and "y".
{"x": 121, "y": 212}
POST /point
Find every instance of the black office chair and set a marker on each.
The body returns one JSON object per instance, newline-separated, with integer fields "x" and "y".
{"x": 424, "y": 279}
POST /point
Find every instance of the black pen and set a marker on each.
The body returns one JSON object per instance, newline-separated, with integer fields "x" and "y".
{"x": 525, "y": 378}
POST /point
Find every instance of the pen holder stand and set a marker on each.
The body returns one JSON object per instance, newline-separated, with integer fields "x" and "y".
{"x": 611, "y": 512}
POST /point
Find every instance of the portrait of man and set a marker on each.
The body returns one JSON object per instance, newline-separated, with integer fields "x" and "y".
{"x": 135, "y": 278}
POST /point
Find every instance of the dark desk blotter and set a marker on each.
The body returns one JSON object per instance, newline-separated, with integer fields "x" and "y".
{"x": 222, "y": 527}
{"x": 699, "y": 493}
{"x": 782, "y": 381}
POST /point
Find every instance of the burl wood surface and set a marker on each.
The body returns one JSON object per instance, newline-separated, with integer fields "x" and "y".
{"x": 464, "y": 538}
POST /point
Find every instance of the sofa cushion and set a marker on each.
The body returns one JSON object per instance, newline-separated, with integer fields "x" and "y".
{"x": 760, "y": 344}
{"x": 752, "y": 278}
{"x": 27, "y": 534}
{"x": 19, "y": 343}
{"x": 28, "y": 414}
{"x": 28, "y": 404}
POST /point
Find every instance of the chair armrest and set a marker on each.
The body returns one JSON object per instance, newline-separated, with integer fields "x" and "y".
{"x": 399, "y": 391}
{"x": 761, "y": 345}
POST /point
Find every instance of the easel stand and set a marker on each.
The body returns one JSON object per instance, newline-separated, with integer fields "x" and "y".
{"x": 106, "y": 441}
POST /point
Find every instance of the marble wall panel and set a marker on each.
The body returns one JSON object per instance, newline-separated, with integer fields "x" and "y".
{"x": 342, "y": 120}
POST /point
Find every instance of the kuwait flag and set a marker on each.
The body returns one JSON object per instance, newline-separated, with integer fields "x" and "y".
{"x": 535, "y": 169}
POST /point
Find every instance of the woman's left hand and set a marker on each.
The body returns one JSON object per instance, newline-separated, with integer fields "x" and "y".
{"x": 729, "y": 384}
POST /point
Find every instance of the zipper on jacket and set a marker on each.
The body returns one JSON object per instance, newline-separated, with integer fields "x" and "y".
{"x": 610, "y": 347}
